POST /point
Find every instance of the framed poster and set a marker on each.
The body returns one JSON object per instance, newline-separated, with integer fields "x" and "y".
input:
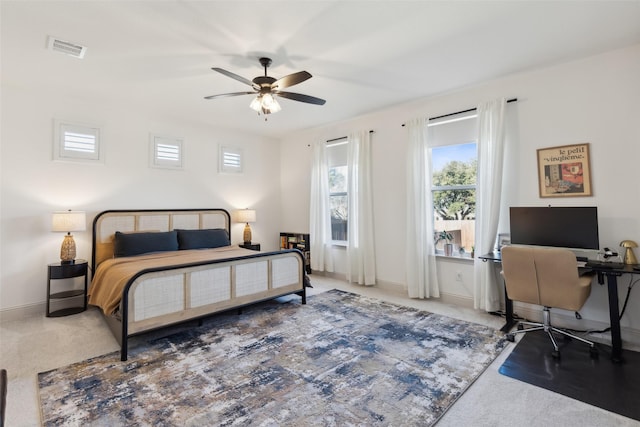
{"x": 564, "y": 171}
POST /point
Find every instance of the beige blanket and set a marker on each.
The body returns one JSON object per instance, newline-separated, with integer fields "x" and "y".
{"x": 112, "y": 275}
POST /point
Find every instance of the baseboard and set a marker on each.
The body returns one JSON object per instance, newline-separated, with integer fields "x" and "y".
{"x": 396, "y": 288}
{"x": 331, "y": 275}
{"x": 445, "y": 297}
{"x": 459, "y": 300}
{"x": 17, "y": 313}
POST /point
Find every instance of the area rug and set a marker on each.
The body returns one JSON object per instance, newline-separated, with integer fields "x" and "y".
{"x": 342, "y": 359}
{"x": 598, "y": 382}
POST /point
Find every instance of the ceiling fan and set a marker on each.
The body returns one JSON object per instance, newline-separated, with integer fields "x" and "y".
{"x": 268, "y": 88}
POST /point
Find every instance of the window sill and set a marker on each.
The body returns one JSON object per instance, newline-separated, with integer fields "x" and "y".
{"x": 340, "y": 243}
{"x": 455, "y": 257}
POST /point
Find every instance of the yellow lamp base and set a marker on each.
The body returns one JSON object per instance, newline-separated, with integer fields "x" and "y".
{"x": 629, "y": 256}
{"x": 68, "y": 250}
{"x": 247, "y": 234}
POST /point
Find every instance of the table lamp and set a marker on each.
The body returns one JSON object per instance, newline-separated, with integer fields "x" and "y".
{"x": 246, "y": 216}
{"x": 68, "y": 221}
{"x": 629, "y": 256}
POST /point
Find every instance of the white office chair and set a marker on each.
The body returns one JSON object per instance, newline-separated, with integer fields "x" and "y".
{"x": 547, "y": 277}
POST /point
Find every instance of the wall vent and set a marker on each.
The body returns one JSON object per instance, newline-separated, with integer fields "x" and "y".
{"x": 68, "y": 48}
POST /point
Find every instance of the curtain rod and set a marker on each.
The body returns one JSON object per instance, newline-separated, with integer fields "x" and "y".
{"x": 463, "y": 111}
{"x": 342, "y": 137}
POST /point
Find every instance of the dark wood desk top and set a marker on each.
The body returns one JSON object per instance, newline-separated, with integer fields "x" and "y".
{"x": 597, "y": 266}
{"x": 492, "y": 256}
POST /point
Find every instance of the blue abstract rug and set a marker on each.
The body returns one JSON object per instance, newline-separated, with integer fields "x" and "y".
{"x": 342, "y": 359}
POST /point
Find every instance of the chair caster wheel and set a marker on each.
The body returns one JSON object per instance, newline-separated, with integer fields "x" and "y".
{"x": 520, "y": 326}
{"x": 555, "y": 354}
{"x": 593, "y": 352}
{"x": 511, "y": 337}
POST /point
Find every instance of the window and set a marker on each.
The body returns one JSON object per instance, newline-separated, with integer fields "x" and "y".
{"x": 230, "y": 160}
{"x": 454, "y": 162}
{"x": 76, "y": 142}
{"x": 165, "y": 152}
{"x": 338, "y": 200}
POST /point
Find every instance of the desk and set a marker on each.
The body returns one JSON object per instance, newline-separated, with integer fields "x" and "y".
{"x": 611, "y": 274}
{"x": 508, "y": 304}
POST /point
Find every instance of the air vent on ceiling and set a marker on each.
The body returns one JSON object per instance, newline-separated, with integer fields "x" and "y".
{"x": 72, "y": 49}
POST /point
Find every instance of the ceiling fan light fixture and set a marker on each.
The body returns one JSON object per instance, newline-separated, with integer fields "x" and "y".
{"x": 265, "y": 104}
{"x": 270, "y": 103}
{"x": 256, "y": 104}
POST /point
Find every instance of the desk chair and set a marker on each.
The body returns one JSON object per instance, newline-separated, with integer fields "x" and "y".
{"x": 547, "y": 277}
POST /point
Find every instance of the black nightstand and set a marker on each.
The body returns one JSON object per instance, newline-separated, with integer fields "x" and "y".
{"x": 252, "y": 246}
{"x": 59, "y": 270}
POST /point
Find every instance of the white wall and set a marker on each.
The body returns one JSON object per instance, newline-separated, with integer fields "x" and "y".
{"x": 33, "y": 185}
{"x": 592, "y": 100}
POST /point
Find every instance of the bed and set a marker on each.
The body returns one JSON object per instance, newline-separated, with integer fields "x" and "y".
{"x": 154, "y": 268}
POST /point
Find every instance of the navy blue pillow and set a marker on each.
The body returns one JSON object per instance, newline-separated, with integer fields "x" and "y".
{"x": 130, "y": 244}
{"x": 203, "y": 239}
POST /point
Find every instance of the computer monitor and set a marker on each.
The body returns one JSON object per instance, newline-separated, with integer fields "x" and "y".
{"x": 565, "y": 227}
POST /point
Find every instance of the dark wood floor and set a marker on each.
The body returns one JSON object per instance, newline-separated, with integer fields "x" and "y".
{"x": 599, "y": 382}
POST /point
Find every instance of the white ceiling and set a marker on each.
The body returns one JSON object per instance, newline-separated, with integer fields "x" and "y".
{"x": 363, "y": 55}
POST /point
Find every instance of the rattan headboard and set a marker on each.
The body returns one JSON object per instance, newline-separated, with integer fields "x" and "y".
{"x": 107, "y": 223}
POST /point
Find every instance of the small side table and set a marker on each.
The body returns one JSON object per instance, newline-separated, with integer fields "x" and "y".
{"x": 252, "y": 246}
{"x": 58, "y": 270}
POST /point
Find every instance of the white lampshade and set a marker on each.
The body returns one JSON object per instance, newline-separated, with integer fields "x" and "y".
{"x": 67, "y": 221}
{"x": 256, "y": 104}
{"x": 245, "y": 215}
{"x": 265, "y": 103}
{"x": 270, "y": 103}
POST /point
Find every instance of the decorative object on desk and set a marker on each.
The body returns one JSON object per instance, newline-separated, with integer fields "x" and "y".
{"x": 246, "y": 216}
{"x": 447, "y": 237}
{"x": 564, "y": 171}
{"x": 68, "y": 221}
{"x": 608, "y": 253}
{"x": 629, "y": 256}
{"x": 504, "y": 239}
{"x": 346, "y": 358}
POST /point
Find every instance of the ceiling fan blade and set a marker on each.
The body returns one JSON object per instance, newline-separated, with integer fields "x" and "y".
{"x": 300, "y": 97}
{"x": 290, "y": 80}
{"x": 236, "y": 77}
{"x": 225, "y": 95}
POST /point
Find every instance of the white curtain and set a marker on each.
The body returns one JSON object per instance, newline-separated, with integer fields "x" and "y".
{"x": 320, "y": 211}
{"x": 422, "y": 279}
{"x": 361, "y": 263}
{"x": 491, "y": 136}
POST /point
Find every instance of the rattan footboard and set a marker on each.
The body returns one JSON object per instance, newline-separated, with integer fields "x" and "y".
{"x": 163, "y": 296}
